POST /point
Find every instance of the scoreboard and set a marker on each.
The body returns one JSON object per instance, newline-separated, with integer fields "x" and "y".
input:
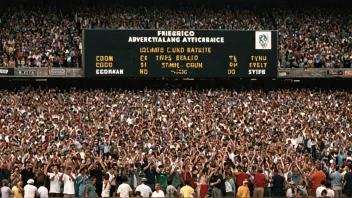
{"x": 179, "y": 53}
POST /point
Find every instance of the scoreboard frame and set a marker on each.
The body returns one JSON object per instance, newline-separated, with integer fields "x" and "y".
{"x": 179, "y": 53}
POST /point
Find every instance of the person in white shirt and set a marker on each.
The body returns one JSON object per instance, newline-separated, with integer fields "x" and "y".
{"x": 145, "y": 190}
{"x": 69, "y": 182}
{"x": 112, "y": 180}
{"x": 42, "y": 190}
{"x": 30, "y": 191}
{"x": 54, "y": 177}
{"x": 291, "y": 192}
{"x": 320, "y": 188}
{"x": 106, "y": 186}
{"x": 158, "y": 192}
{"x": 330, "y": 192}
{"x": 124, "y": 190}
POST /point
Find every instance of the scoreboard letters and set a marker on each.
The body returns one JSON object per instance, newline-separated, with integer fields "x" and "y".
{"x": 180, "y": 53}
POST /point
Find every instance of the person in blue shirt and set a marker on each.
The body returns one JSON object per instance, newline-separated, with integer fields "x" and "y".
{"x": 341, "y": 156}
{"x": 337, "y": 182}
{"x": 82, "y": 180}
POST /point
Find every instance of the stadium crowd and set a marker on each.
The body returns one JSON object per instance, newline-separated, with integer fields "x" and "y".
{"x": 285, "y": 143}
{"x": 52, "y": 37}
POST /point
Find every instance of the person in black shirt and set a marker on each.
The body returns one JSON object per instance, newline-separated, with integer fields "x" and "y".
{"x": 215, "y": 183}
{"x": 150, "y": 173}
{"x": 348, "y": 181}
{"x": 278, "y": 184}
{"x": 28, "y": 173}
{"x": 97, "y": 171}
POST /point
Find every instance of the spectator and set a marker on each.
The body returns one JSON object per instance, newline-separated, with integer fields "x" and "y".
{"x": 337, "y": 181}
{"x": 229, "y": 185}
{"x": 348, "y": 181}
{"x": 90, "y": 190}
{"x": 259, "y": 182}
{"x": 316, "y": 177}
{"x": 215, "y": 183}
{"x": 158, "y": 192}
{"x": 187, "y": 191}
{"x": 42, "y": 190}
{"x": 30, "y": 190}
{"x": 144, "y": 189}
{"x": 54, "y": 178}
{"x": 106, "y": 186}
{"x": 330, "y": 192}
{"x": 6, "y": 192}
{"x": 278, "y": 184}
{"x": 112, "y": 180}
{"x": 243, "y": 191}
{"x": 171, "y": 191}
{"x": 17, "y": 190}
{"x": 82, "y": 180}
{"x": 68, "y": 178}
{"x": 320, "y": 188}
{"x": 292, "y": 191}
{"x": 124, "y": 190}
{"x": 28, "y": 173}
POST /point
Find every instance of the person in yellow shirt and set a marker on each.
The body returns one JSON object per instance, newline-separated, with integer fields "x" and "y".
{"x": 17, "y": 190}
{"x": 243, "y": 191}
{"x": 187, "y": 191}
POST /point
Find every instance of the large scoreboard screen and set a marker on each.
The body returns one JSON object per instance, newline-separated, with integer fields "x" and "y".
{"x": 180, "y": 53}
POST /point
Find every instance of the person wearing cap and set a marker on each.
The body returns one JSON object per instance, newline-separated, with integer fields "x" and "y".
{"x": 6, "y": 191}
{"x": 30, "y": 191}
{"x": 316, "y": 176}
{"x": 145, "y": 190}
{"x": 243, "y": 191}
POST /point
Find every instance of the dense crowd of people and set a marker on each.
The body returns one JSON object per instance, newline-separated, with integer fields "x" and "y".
{"x": 171, "y": 143}
{"x": 52, "y": 37}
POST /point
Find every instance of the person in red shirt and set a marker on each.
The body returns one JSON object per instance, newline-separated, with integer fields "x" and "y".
{"x": 260, "y": 179}
{"x": 316, "y": 176}
{"x": 241, "y": 176}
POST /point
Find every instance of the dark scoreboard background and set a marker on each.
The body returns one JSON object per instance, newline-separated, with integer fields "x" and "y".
{"x": 110, "y": 53}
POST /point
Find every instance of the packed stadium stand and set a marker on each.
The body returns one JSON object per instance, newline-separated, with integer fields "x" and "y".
{"x": 51, "y": 36}
{"x": 174, "y": 137}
